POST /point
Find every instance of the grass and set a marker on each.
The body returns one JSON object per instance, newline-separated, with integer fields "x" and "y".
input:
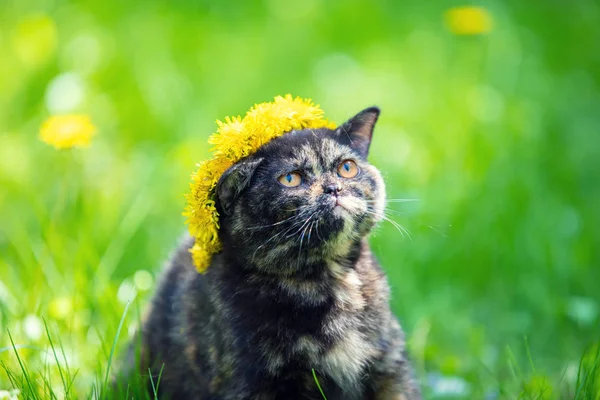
{"x": 114, "y": 347}
{"x": 588, "y": 373}
{"x": 38, "y": 384}
{"x": 318, "y": 384}
{"x": 495, "y": 135}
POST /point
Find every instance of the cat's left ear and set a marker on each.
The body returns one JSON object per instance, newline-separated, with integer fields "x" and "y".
{"x": 359, "y": 130}
{"x": 234, "y": 181}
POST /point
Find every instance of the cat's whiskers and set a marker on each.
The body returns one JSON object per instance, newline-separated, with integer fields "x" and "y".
{"x": 283, "y": 232}
{"x": 317, "y": 230}
{"x": 312, "y": 224}
{"x": 399, "y": 227}
{"x": 271, "y": 225}
{"x": 304, "y": 231}
{"x": 402, "y": 200}
{"x": 396, "y": 212}
{"x": 302, "y": 224}
{"x": 315, "y": 224}
{"x": 302, "y": 207}
{"x": 267, "y": 242}
{"x": 403, "y": 231}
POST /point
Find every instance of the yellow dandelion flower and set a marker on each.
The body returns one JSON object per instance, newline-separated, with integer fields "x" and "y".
{"x": 202, "y": 257}
{"x": 235, "y": 139}
{"x": 67, "y": 131}
{"x": 230, "y": 138}
{"x": 468, "y": 20}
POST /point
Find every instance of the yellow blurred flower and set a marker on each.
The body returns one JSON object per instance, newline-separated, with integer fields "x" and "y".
{"x": 66, "y": 131}
{"x": 468, "y": 20}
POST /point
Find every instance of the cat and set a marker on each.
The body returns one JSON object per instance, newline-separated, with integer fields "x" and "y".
{"x": 295, "y": 297}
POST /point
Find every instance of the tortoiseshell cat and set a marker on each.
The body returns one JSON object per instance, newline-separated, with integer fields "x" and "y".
{"x": 295, "y": 288}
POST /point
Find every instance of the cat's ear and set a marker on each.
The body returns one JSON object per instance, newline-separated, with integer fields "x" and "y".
{"x": 359, "y": 130}
{"x": 234, "y": 180}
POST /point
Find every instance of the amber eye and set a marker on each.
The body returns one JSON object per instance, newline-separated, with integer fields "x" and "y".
{"x": 348, "y": 169}
{"x": 291, "y": 179}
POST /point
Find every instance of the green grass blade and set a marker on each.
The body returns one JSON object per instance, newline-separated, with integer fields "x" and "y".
{"x": 25, "y": 373}
{"x": 318, "y": 384}
{"x": 155, "y": 388}
{"x": 158, "y": 381}
{"x": 152, "y": 383}
{"x": 529, "y": 355}
{"x": 114, "y": 346}
{"x": 64, "y": 357}
{"x": 9, "y": 374}
{"x": 71, "y": 380}
{"x": 60, "y": 371}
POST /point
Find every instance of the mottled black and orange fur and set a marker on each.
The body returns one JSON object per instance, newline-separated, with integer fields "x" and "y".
{"x": 295, "y": 288}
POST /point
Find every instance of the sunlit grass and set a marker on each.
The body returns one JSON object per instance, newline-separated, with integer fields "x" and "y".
{"x": 40, "y": 384}
{"x": 495, "y": 134}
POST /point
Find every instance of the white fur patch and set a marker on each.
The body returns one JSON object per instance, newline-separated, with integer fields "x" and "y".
{"x": 379, "y": 205}
{"x": 352, "y": 204}
{"x": 346, "y": 360}
{"x": 307, "y": 291}
{"x": 347, "y": 290}
{"x": 274, "y": 363}
{"x": 307, "y": 346}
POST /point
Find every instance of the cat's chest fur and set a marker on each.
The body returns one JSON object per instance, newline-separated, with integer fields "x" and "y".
{"x": 326, "y": 329}
{"x": 351, "y": 347}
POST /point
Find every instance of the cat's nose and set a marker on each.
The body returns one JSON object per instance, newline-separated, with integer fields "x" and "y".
{"x": 332, "y": 188}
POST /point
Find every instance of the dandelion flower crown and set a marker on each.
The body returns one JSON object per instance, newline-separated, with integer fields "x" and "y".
{"x": 235, "y": 139}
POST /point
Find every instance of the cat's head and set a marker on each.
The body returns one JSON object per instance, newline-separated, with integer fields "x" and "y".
{"x": 308, "y": 194}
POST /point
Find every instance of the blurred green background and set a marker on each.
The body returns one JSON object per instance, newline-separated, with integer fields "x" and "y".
{"x": 496, "y": 134}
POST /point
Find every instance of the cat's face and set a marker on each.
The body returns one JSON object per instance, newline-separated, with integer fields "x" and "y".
{"x": 307, "y": 194}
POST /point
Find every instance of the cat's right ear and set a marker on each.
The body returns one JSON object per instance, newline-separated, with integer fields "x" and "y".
{"x": 234, "y": 180}
{"x": 358, "y": 130}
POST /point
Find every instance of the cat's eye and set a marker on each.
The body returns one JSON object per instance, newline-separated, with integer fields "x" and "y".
{"x": 291, "y": 179}
{"x": 347, "y": 169}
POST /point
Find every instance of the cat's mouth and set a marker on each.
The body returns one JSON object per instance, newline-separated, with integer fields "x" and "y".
{"x": 341, "y": 206}
{"x": 339, "y": 209}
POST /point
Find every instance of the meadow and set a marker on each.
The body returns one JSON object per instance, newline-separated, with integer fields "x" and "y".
{"x": 490, "y": 127}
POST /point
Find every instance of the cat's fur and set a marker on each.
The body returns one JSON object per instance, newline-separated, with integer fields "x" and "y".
{"x": 295, "y": 288}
